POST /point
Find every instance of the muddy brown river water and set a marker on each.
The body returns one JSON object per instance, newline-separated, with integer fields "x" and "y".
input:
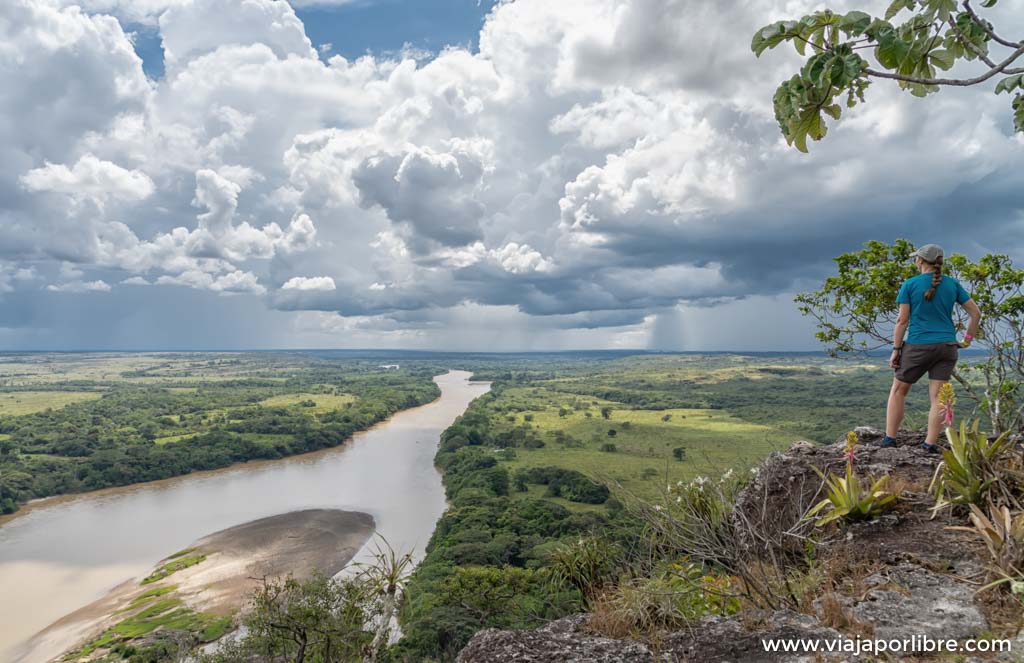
{"x": 63, "y": 553}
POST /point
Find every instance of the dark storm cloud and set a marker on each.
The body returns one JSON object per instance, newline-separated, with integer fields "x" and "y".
{"x": 605, "y": 167}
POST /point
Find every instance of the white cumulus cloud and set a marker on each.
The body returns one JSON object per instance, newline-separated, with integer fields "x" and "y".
{"x": 79, "y": 286}
{"x": 593, "y": 165}
{"x": 309, "y": 283}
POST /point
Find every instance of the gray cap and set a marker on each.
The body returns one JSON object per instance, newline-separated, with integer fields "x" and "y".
{"x": 928, "y": 253}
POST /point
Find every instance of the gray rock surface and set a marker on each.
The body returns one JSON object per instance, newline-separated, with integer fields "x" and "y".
{"x": 713, "y": 640}
{"x": 560, "y": 640}
{"x": 727, "y": 639}
{"x": 909, "y": 600}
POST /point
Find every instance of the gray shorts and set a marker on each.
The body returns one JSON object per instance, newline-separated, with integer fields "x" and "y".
{"x": 936, "y": 359}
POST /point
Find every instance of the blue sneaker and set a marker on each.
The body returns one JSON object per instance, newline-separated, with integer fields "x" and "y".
{"x": 931, "y": 448}
{"x": 887, "y": 442}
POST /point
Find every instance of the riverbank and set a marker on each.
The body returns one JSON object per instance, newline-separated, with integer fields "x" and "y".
{"x": 206, "y": 584}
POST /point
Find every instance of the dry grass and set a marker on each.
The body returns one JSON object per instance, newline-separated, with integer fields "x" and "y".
{"x": 606, "y": 618}
{"x": 832, "y": 613}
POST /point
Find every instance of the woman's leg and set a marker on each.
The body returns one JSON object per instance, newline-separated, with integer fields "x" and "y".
{"x": 935, "y": 414}
{"x": 897, "y": 405}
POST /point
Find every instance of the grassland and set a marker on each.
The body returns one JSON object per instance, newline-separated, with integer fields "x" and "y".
{"x": 17, "y": 403}
{"x": 314, "y": 403}
{"x": 576, "y": 436}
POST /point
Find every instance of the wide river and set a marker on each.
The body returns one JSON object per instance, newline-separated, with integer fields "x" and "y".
{"x": 64, "y": 553}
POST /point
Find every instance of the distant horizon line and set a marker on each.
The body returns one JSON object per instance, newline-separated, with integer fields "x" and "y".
{"x": 618, "y": 351}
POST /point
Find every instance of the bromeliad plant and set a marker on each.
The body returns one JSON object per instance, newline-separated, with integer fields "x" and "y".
{"x": 970, "y": 468}
{"x": 850, "y": 497}
{"x": 947, "y": 398}
{"x": 1003, "y": 535}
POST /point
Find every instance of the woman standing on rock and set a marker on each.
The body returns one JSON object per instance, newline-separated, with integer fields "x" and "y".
{"x": 926, "y": 307}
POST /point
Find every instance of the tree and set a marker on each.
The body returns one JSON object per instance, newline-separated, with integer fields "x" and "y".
{"x": 936, "y": 35}
{"x": 318, "y": 619}
{"x": 856, "y": 309}
{"x": 679, "y": 453}
{"x": 606, "y": 412}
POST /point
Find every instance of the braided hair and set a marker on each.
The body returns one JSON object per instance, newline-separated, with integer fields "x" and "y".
{"x": 936, "y": 278}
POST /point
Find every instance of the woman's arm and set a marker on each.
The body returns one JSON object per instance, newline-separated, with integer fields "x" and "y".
{"x": 975, "y": 314}
{"x": 902, "y": 322}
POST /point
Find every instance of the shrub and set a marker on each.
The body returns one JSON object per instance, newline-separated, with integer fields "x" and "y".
{"x": 702, "y": 521}
{"x": 569, "y": 484}
{"x": 609, "y": 447}
{"x": 672, "y": 597}
{"x": 588, "y": 564}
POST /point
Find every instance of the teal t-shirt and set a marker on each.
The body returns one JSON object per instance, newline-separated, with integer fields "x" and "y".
{"x": 931, "y": 321}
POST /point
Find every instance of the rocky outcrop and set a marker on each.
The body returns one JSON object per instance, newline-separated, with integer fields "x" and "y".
{"x": 922, "y": 582}
{"x": 909, "y": 600}
{"x": 712, "y": 640}
{"x": 561, "y": 640}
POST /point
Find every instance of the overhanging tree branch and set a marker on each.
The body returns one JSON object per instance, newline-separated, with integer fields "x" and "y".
{"x": 1001, "y": 68}
{"x": 987, "y": 27}
{"x": 936, "y": 36}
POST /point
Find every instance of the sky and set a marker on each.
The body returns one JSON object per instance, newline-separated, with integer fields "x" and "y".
{"x": 453, "y": 175}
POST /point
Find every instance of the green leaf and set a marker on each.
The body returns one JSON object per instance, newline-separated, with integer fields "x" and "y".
{"x": 891, "y": 51}
{"x": 1010, "y": 83}
{"x": 855, "y": 23}
{"x": 834, "y": 110}
{"x": 772, "y": 35}
{"x": 810, "y": 124}
{"x": 941, "y": 58}
{"x": 897, "y": 6}
{"x": 941, "y": 9}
